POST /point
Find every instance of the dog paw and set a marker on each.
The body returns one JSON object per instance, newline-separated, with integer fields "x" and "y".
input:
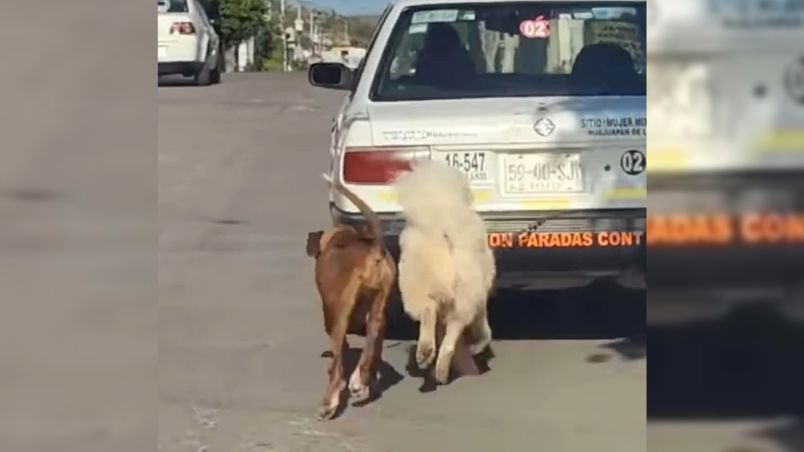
{"x": 425, "y": 354}
{"x": 326, "y": 412}
{"x": 442, "y": 371}
{"x": 331, "y": 403}
{"x": 478, "y": 347}
{"x": 359, "y": 393}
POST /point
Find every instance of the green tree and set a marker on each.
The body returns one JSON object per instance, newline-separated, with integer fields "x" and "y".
{"x": 241, "y": 19}
{"x": 268, "y": 49}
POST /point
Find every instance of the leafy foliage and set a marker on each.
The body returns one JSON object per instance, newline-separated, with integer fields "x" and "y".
{"x": 241, "y": 19}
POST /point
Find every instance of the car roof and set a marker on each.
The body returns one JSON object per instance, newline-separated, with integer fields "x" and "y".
{"x": 406, "y": 3}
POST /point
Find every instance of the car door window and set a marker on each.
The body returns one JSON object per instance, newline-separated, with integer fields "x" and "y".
{"x": 171, "y": 6}
{"x": 479, "y": 51}
{"x": 362, "y": 65}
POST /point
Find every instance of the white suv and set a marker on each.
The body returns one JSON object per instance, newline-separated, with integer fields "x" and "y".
{"x": 187, "y": 43}
{"x": 540, "y": 103}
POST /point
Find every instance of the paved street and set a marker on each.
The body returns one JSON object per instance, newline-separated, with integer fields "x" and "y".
{"x": 241, "y": 332}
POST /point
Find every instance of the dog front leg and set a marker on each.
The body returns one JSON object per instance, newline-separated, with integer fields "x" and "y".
{"x": 426, "y": 345}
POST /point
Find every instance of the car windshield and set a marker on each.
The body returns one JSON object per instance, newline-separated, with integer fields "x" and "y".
{"x": 515, "y": 49}
{"x": 171, "y": 6}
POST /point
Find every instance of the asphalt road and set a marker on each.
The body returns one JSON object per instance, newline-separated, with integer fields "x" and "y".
{"x": 241, "y": 332}
{"x": 77, "y": 240}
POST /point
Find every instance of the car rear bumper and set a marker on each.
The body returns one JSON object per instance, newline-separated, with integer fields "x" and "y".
{"x": 758, "y": 243}
{"x": 186, "y": 68}
{"x": 187, "y": 48}
{"x": 597, "y": 243}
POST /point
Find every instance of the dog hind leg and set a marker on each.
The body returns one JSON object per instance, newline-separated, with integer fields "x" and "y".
{"x": 359, "y": 382}
{"x": 446, "y": 350}
{"x": 426, "y": 345}
{"x": 332, "y": 396}
{"x": 481, "y": 332}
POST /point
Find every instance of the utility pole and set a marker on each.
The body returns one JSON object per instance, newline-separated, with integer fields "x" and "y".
{"x": 346, "y": 32}
{"x": 312, "y": 30}
{"x": 284, "y": 38}
{"x": 320, "y": 40}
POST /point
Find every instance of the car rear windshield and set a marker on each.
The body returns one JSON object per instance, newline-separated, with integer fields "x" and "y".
{"x": 514, "y": 49}
{"x": 171, "y": 6}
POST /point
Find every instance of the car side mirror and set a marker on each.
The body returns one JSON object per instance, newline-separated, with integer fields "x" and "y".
{"x": 330, "y": 75}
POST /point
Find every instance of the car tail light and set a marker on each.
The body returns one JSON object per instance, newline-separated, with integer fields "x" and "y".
{"x": 182, "y": 28}
{"x": 379, "y": 165}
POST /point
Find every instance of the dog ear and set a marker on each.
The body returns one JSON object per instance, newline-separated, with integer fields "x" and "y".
{"x": 314, "y": 243}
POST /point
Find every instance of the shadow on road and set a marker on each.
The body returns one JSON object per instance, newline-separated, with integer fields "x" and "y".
{"x": 598, "y": 311}
{"x": 748, "y": 365}
{"x": 426, "y": 376}
{"x": 388, "y": 377}
{"x": 789, "y": 436}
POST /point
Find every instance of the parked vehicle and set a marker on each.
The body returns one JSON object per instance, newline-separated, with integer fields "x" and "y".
{"x": 187, "y": 43}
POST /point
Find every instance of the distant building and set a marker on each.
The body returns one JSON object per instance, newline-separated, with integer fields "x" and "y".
{"x": 350, "y": 56}
{"x": 240, "y": 57}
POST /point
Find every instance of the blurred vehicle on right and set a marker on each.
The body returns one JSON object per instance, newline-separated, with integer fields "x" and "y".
{"x": 726, "y": 145}
{"x": 725, "y": 225}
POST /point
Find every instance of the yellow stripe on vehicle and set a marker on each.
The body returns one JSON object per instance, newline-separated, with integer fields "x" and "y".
{"x": 667, "y": 159}
{"x": 780, "y": 141}
{"x": 386, "y": 196}
{"x": 483, "y": 195}
{"x": 626, "y": 193}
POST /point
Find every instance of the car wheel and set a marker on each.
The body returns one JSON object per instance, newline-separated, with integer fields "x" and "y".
{"x": 203, "y": 77}
{"x": 219, "y": 69}
{"x": 215, "y": 76}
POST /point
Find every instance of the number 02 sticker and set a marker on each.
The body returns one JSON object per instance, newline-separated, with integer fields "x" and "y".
{"x": 536, "y": 28}
{"x": 633, "y": 162}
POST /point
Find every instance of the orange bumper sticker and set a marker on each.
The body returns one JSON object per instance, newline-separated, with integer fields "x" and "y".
{"x": 565, "y": 239}
{"x": 724, "y": 230}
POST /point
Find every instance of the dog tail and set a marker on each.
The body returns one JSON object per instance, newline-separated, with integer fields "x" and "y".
{"x": 375, "y": 225}
{"x": 438, "y": 196}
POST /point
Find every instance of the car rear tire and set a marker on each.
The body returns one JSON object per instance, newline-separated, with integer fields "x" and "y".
{"x": 203, "y": 77}
{"x": 215, "y": 76}
{"x": 219, "y": 67}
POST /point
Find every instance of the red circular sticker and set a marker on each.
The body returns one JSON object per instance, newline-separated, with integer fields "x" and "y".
{"x": 536, "y": 28}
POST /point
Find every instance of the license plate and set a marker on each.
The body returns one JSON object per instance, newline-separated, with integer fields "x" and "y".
{"x": 473, "y": 164}
{"x": 543, "y": 173}
{"x": 161, "y": 52}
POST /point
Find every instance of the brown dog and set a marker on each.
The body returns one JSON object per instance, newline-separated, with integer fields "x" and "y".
{"x": 354, "y": 274}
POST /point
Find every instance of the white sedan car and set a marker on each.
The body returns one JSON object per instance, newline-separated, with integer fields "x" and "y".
{"x": 187, "y": 43}
{"x": 540, "y": 103}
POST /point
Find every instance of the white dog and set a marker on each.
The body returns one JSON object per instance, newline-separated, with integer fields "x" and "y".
{"x": 446, "y": 268}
